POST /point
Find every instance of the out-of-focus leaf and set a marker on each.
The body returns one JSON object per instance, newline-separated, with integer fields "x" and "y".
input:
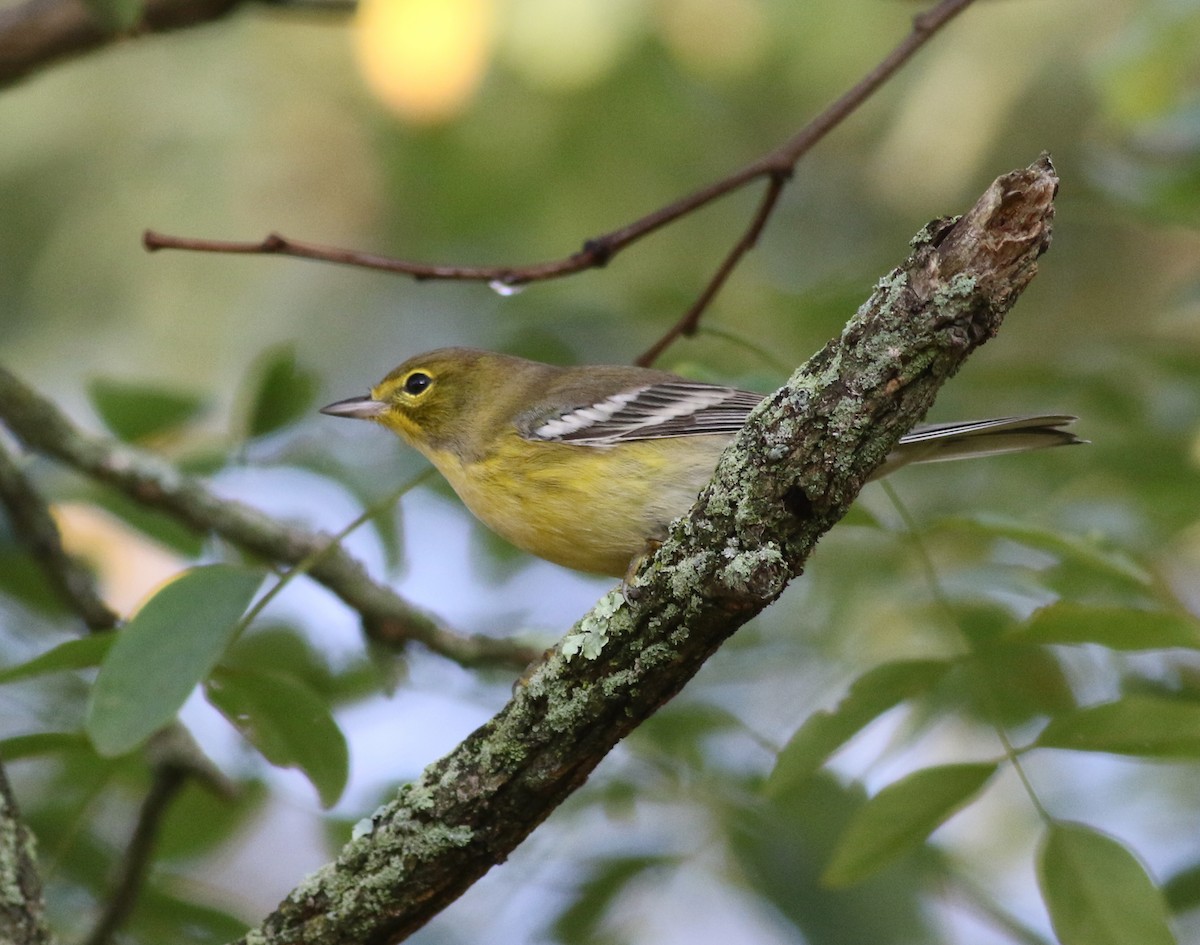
{"x": 287, "y": 722}
{"x": 1118, "y": 628}
{"x": 42, "y": 743}
{"x": 116, "y": 15}
{"x": 1064, "y": 546}
{"x": 73, "y": 654}
{"x": 169, "y": 646}
{"x": 23, "y": 579}
{"x": 825, "y": 731}
{"x": 200, "y": 820}
{"x": 280, "y": 391}
{"x": 581, "y": 923}
{"x": 283, "y": 650}
{"x": 900, "y": 817}
{"x": 1097, "y": 892}
{"x": 164, "y": 916}
{"x": 1015, "y": 683}
{"x": 1135, "y": 725}
{"x": 91, "y": 860}
{"x": 1182, "y": 889}
{"x": 781, "y": 844}
{"x": 137, "y": 412}
{"x": 680, "y": 729}
{"x": 204, "y": 460}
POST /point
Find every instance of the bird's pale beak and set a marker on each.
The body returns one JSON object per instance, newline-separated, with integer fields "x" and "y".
{"x": 359, "y": 408}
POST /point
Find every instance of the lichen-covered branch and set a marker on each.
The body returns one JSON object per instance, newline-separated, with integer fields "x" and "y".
{"x": 152, "y": 482}
{"x": 792, "y": 473}
{"x": 22, "y": 912}
{"x": 36, "y": 33}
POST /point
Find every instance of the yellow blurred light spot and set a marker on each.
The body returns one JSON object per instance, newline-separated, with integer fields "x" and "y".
{"x": 127, "y": 564}
{"x": 567, "y": 44}
{"x": 715, "y": 37}
{"x": 424, "y": 59}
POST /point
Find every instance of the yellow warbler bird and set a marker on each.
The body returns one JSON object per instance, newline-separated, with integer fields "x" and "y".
{"x": 586, "y": 466}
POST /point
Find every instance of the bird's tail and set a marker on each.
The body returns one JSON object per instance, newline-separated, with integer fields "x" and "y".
{"x": 942, "y": 442}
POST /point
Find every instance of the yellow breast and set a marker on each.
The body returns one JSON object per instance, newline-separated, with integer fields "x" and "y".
{"x": 583, "y": 507}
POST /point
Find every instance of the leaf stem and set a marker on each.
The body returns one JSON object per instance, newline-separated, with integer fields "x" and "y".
{"x": 942, "y": 600}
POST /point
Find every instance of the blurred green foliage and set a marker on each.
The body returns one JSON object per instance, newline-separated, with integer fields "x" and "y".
{"x": 1055, "y": 593}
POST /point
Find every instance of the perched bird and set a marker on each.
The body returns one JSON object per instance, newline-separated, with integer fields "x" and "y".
{"x": 586, "y": 466}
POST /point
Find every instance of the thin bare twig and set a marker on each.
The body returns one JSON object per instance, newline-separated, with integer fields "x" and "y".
{"x": 777, "y": 165}
{"x": 780, "y": 164}
{"x": 154, "y": 483}
{"x": 32, "y": 522}
{"x": 36, "y": 33}
{"x": 169, "y": 779}
{"x": 691, "y": 318}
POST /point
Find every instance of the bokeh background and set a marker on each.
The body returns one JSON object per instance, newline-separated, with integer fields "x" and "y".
{"x": 509, "y": 131}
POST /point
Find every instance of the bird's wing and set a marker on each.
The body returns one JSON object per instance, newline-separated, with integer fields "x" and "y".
{"x": 669, "y": 408}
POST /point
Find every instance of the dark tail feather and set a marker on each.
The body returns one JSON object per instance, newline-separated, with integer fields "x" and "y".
{"x": 943, "y": 442}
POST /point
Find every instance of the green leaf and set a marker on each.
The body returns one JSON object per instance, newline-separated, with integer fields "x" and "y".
{"x": 825, "y": 731}
{"x": 1135, "y": 725}
{"x": 164, "y": 916}
{"x": 902, "y": 816}
{"x": 1063, "y": 546}
{"x": 781, "y": 843}
{"x": 42, "y": 743}
{"x": 582, "y": 922}
{"x": 169, "y": 646}
{"x": 682, "y": 731}
{"x": 286, "y": 651}
{"x": 199, "y": 820}
{"x": 287, "y": 722}
{"x": 1118, "y": 628}
{"x": 23, "y": 578}
{"x": 116, "y": 15}
{"x": 1182, "y": 889}
{"x": 1017, "y": 683}
{"x": 282, "y": 391}
{"x": 137, "y": 412}
{"x": 1097, "y": 892}
{"x": 73, "y": 654}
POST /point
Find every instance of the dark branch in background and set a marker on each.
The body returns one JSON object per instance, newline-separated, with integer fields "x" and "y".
{"x": 37, "y": 33}
{"x": 22, "y": 911}
{"x": 174, "y": 758}
{"x": 790, "y": 476}
{"x": 150, "y": 481}
{"x": 169, "y": 779}
{"x": 777, "y": 166}
{"x": 32, "y": 522}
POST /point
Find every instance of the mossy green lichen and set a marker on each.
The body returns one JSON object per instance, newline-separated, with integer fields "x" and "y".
{"x": 755, "y": 571}
{"x": 565, "y": 714}
{"x": 10, "y": 867}
{"x": 434, "y": 839}
{"x": 592, "y": 631}
{"x": 960, "y": 286}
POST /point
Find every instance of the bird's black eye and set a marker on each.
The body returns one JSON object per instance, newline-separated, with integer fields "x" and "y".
{"x": 416, "y": 382}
